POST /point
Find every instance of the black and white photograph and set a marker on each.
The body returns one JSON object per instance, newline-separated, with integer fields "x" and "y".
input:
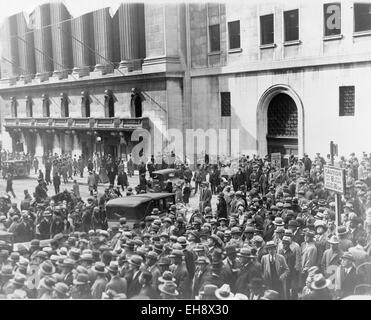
{"x": 185, "y": 150}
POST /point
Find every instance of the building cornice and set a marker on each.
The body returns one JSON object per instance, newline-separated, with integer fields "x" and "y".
{"x": 261, "y": 66}
{"x": 82, "y": 84}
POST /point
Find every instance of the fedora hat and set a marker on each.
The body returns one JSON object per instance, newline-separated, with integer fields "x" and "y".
{"x": 136, "y": 260}
{"x": 334, "y": 240}
{"x": 169, "y": 288}
{"x": 209, "y": 290}
{"x": 224, "y": 292}
{"x": 6, "y": 272}
{"x": 270, "y": 295}
{"x": 81, "y": 279}
{"x": 230, "y": 249}
{"x": 320, "y": 282}
{"x": 176, "y": 253}
{"x": 19, "y": 279}
{"x": 245, "y": 252}
{"x": 278, "y": 221}
{"x": 62, "y": 288}
{"x": 270, "y": 244}
{"x": 167, "y": 276}
{"x": 48, "y": 283}
{"x": 113, "y": 267}
{"x": 47, "y": 268}
{"x": 68, "y": 262}
{"x": 100, "y": 268}
{"x": 349, "y": 256}
{"x": 341, "y": 230}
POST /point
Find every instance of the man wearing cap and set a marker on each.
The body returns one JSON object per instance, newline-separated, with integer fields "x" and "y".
{"x": 345, "y": 243}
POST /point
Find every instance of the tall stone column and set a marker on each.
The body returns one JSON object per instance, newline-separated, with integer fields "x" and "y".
{"x": 103, "y": 40}
{"x": 68, "y": 143}
{"x": 76, "y": 146}
{"x": 56, "y": 144}
{"x": 61, "y": 39}
{"x": 25, "y": 142}
{"x": 26, "y": 49}
{"x": 81, "y": 29}
{"x": 9, "y": 46}
{"x": 129, "y": 35}
{"x": 164, "y": 28}
{"x": 39, "y": 149}
{"x": 40, "y": 19}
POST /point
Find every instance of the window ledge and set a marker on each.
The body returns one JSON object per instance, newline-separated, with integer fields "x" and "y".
{"x": 292, "y": 43}
{"x": 333, "y": 37}
{"x": 362, "y": 33}
{"x": 214, "y": 53}
{"x": 235, "y": 50}
{"x": 267, "y": 46}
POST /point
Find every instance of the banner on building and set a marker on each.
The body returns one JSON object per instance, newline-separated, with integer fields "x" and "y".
{"x": 276, "y": 159}
{"x": 334, "y": 179}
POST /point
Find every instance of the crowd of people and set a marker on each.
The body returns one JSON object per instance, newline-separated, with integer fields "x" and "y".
{"x": 270, "y": 235}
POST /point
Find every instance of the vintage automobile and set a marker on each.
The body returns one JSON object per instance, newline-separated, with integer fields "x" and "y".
{"x": 8, "y": 238}
{"x": 18, "y": 168}
{"x": 160, "y": 177}
{"x": 136, "y": 207}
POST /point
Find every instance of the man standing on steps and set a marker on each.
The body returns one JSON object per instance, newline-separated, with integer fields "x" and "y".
{"x": 9, "y": 185}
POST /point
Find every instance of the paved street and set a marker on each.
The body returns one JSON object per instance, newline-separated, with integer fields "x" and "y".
{"x": 19, "y": 185}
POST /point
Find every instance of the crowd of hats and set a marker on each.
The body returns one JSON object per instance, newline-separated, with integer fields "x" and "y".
{"x": 257, "y": 217}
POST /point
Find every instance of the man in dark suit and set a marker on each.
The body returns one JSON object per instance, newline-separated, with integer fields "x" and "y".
{"x": 346, "y": 278}
{"x": 250, "y": 269}
{"x": 132, "y": 277}
{"x": 202, "y": 270}
{"x": 180, "y": 273}
{"x": 230, "y": 271}
{"x": 205, "y": 196}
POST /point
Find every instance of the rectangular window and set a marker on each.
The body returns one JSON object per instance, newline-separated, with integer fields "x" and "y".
{"x": 214, "y": 36}
{"x": 234, "y": 34}
{"x": 362, "y": 17}
{"x": 291, "y": 20}
{"x": 225, "y": 101}
{"x": 346, "y": 101}
{"x": 332, "y": 19}
{"x": 267, "y": 29}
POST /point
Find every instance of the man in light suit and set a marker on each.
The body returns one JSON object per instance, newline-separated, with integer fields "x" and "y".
{"x": 308, "y": 255}
{"x": 275, "y": 269}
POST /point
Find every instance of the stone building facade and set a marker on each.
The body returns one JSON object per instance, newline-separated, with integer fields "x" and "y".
{"x": 288, "y": 75}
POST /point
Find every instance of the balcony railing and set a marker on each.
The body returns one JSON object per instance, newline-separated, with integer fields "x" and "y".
{"x": 77, "y": 123}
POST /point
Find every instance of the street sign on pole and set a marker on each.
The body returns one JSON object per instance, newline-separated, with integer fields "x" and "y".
{"x": 334, "y": 179}
{"x": 276, "y": 159}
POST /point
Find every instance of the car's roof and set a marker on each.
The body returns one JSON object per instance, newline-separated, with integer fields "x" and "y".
{"x": 137, "y": 199}
{"x": 12, "y": 161}
{"x": 165, "y": 171}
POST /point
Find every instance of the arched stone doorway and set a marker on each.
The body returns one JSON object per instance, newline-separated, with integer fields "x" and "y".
{"x": 282, "y": 134}
{"x": 280, "y": 122}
